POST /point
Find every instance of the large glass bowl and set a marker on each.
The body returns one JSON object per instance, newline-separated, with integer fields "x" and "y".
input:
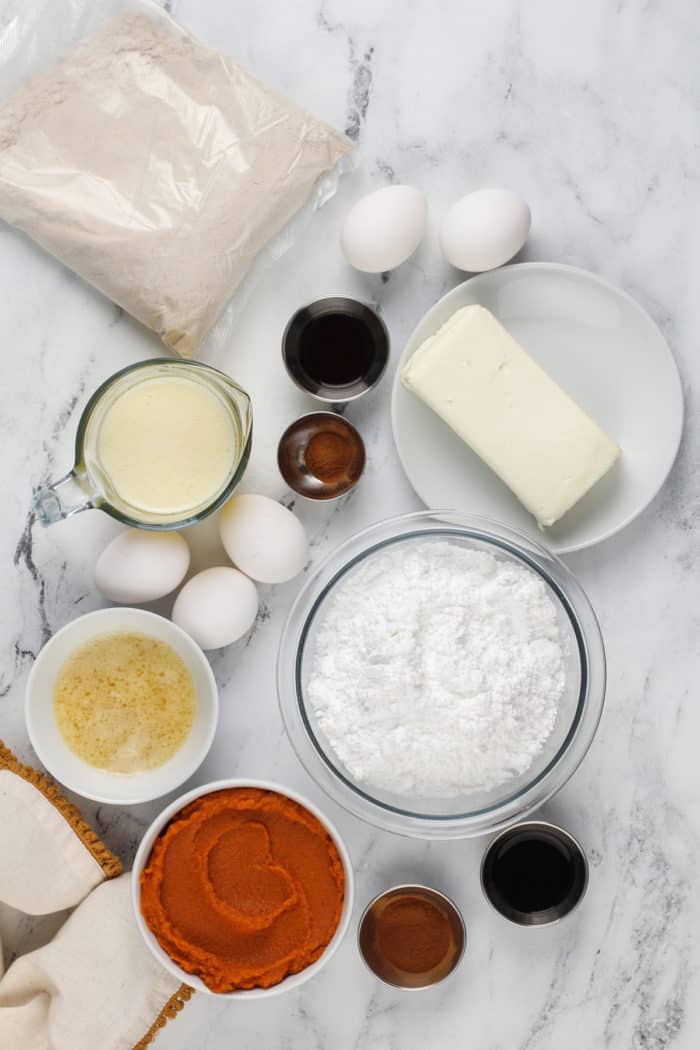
{"x": 476, "y": 813}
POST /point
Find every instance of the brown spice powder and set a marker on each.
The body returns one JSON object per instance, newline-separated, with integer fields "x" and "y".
{"x": 413, "y": 934}
{"x": 328, "y": 456}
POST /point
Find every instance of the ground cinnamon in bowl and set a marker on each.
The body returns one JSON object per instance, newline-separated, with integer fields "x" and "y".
{"x": 321, "y": 456}
{"x": 412, "y": 936}
{"x": 329, "y": 455}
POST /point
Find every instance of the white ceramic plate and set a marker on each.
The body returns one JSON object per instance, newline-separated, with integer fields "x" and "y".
{"x": 144, "y": 852}
{"x": 602, "y": 348}
{"x": 99, "y": 784}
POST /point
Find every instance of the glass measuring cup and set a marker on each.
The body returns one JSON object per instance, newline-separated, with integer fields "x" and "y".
{"x": 88, "y": 484}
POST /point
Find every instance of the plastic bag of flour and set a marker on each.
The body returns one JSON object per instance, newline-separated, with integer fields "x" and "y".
{"x": 154, "y": 167}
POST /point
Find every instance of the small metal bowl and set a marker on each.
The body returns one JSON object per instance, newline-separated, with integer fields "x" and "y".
{"x": 302, "y": 475}
{"x": 383, "y": 968}
{"x": 331, "y": 311}
{"x": 569, "y": 848}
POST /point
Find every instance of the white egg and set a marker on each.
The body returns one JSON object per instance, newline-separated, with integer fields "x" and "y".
{"x": 216, "y": 607}
{"x": 385, "y": 227}
{"x": 139, "y": 566}
{"x": 485, "y": 229}
{"x": 264, "y": 539}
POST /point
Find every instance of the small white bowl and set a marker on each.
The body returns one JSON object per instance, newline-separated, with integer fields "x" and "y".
{"x": 144, "y": 852}
{"x": 117, "y": 788}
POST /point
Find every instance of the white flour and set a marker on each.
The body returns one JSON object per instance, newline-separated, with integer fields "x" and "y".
{"x": 437, "y": 670}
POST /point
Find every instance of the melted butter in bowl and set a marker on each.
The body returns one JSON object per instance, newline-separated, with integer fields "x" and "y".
{"x": 124, "y": 702}
{"x": 121, "y": 706}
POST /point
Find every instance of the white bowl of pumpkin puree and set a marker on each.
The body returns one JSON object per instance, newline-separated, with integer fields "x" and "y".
{"x": 242, "y": 888}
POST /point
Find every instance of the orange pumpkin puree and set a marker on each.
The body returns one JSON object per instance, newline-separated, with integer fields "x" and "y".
{"x": 242, "y": 888}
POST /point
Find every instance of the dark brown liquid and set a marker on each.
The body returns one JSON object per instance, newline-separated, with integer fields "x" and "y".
{"x": 336, "y": 349}
{"x": 533, "y": 874}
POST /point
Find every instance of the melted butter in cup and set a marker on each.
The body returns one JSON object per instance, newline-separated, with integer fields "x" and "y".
{"x": 412, "y": 937}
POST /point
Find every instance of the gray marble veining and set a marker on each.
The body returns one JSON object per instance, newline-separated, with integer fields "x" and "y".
{"x": 589, "y": 110}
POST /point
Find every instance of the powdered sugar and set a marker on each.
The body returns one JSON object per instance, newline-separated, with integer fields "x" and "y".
{"x": 437, "y": 670}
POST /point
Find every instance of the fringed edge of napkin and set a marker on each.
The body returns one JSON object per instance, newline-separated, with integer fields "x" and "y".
{"x": 111, "y": 865}
{"x": 169, "y": 1012}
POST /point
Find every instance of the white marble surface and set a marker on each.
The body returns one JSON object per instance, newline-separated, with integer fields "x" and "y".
{"x": 590, "y": 110}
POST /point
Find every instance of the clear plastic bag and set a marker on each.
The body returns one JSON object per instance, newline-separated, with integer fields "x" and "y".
{"x": 154, "y": 167}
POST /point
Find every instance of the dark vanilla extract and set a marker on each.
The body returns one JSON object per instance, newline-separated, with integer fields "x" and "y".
{"x": 336, "y": 349}
{"x": 533, "y": 874}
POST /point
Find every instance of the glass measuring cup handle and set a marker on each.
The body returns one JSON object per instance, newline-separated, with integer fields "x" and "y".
{"x": 63, "y": 498}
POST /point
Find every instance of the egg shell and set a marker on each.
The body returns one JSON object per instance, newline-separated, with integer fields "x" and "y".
{"x": 485, "y": 229}
{"x": 216, "y": 607}
{"x": 384, "y": 228}
{"x": 264, "y": 539}
{"x": 139, "y": 566}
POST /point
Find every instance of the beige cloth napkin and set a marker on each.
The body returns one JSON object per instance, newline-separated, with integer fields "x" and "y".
{"x": 95, "y": 986}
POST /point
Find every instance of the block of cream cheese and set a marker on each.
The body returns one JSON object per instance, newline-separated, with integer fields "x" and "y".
{"x": 546, "y": 449}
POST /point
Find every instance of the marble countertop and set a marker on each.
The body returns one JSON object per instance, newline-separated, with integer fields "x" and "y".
{"x": 590, "y": 111}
